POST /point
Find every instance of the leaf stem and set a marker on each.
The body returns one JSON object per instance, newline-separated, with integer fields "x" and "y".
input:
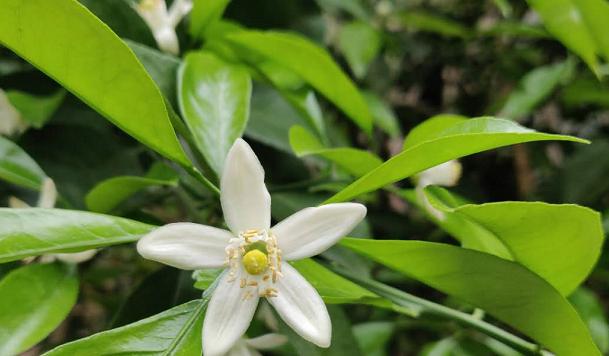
{"x": 435, "y": 310}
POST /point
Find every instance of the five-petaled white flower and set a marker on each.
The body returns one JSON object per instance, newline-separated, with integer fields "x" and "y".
{"x": 47, "y": 199}
{"x": 255, "y": 255}
{"x": 163, "y": 22}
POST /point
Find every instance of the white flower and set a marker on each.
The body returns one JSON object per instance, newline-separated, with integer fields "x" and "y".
{"x": 162, "y": 22}
{"x": 11, "y": 121}
{"x": 255, "y": 255}
{"x": 446, "y": 174}
{"x": 47, "y": 199}
{"x": 250, "y": 347}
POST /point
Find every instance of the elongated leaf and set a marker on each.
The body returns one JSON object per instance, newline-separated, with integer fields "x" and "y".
{"x": 504, "y": 289}
{"x": 64, "y": 40}
{"x": 214, "y": 98}
{"x": 360, "y": 43}
{"x": 356, "y": 162}
{"x": 18, "y": 167}
{"x": 534, "y": 88}
{"x": 383, "y": 114}
{"x": 561, "y": 243}
{"x": 34, "y": 231}
{"x": 333, "y": 288}
{"x": 458, "y": 140}
{"x": 204, "y": 14}
{"x": 579, "y": 24}
{"x": 425, "y": 21}
{"x": 176, "y": 331}
{"x": 34, "y": 299}
{"x": 110, "y": 193}
{"x": 310, "y": 62}
{"x": 35, "y": 110}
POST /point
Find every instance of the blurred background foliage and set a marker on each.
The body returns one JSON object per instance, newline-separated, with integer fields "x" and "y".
{"x": 413, "y": 59}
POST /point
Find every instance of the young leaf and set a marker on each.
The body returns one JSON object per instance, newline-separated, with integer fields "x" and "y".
{"x": 18, "y": 167}
{"x": 68, "y": 43}
{"x": 433, "y": 23}
{"x": 534, "y": 88}
{"x": 504, "y": 289}
{"x": 204, "y": 14}
{"x": 356, "y": 162}
{"x": 458, "y": 140}
{"x": 214, "y": 99}
{"x": 108, "y": 194}
{"x": 35, "y": 110}
{"x": 360, "y": 43}
{"x": 310, "y": 62}
{"x": 34, "y": 231}
{"x": 579, "y": 24}
{"x": 34, "y": 299}
{"x": 561, "y": 243}
{"x": 176, "y": 331}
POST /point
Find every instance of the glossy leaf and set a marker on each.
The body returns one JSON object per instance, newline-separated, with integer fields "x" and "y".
{"x": 383, "y": 114}
{"x": 204, "y": 14}
{"x": 108, "y": 194}
{"x": 333, "y": 288}
{"x": 356, "y": 162}
{"x": 34, "y": 231}
{"x": 591, "y": 310}
{"x": 360, "y": 43}
{"x": 101, "y": 70}
{"x": 176, "y": 331}
{"x": 34, "y": 300}
{"x": 310, "y": 62}
{"x": 458, "y": 140}
{"x": 561, "y": 243}
{"x": 579, "y": 24}
{"x": 534, "y": 88}
{"x": 502, "y": 288}
{"x": 35, "y": 110}
{"x": 18, "y": 167}
{"x": 214, "y": 98}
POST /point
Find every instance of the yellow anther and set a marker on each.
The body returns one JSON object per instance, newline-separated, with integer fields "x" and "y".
{"x": 255, "y": 262}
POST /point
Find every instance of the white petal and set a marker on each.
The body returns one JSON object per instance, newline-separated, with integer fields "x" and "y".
{"x": 178, "y": 10}
{"x": 245, "y": 201}
{"x": 311, "y": 231}
{"x": 48, "y": 194}
{"x": 17, "y": 203}
{"x": 228, "y": 316}
{"x": 446, "y": 174}
{"x": 267, "y": 341}
{"x": 10, "y": 119}
{"x": 76, "y": 257}
{"x": 186, "y": 245}
{"x": 241, "y": 349}
{"x": 301, "y": 307}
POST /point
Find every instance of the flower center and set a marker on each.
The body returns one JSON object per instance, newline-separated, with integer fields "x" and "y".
{"x": 255, "y": 253}
{"x": 255, "y": 262}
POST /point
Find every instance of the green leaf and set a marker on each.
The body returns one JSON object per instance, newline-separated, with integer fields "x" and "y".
{"x": 579, "y": 24}
{"x": 176, "y": 331}
{"x": 433, "y": 23}
{"x": 34, "y": 299}
{"x": 271, "y": 118}
{"x": 458, "y": 140}
{"x": 68, "y": 43}
{"x": 35, "y": 110}
{"x": 591, "y": 310}
{"x": 360, "y": 43}
{"x": 18, "y": 167}
{"x": 35, "y": 231}
{"x": 204, "y": 14}
{"x": 310, "y": 62}
{"x": 383, "y": 114}
{"x": 373, "y": 337}
{"x": 561, "y": 243}
{"x": 335, "y": 289}
{"x": 107, "y": 195}
{"x": 214, "y": 98}
{"x": 356, "y": 162}
{"x": 534, "y": 88}
{"x": 504, "y": 289}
